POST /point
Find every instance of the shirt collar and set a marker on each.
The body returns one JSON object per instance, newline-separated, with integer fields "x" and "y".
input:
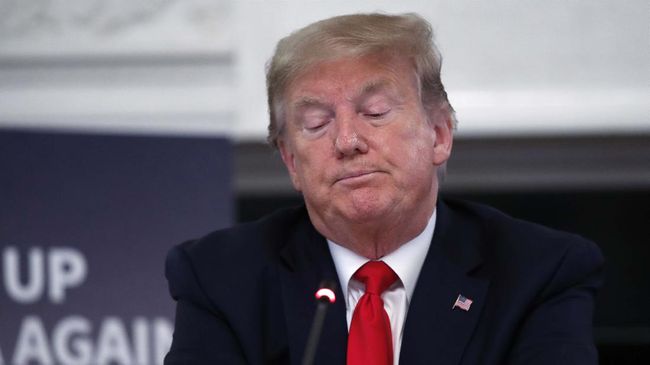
{"x": 406, "y": 261}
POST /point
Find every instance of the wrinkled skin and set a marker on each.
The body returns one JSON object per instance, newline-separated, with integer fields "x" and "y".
{"x": 364, "y": 152}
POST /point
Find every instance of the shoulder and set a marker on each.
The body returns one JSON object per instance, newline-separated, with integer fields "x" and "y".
{"x": 234, "y": 254}
{"x": 265, "y": 235}
{"x": 512, "y": 246}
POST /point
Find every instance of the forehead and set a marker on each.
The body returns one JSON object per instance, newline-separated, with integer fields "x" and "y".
{"x": 349, "y": 77}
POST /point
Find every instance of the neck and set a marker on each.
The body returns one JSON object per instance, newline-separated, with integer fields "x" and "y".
{"x": 378, "y": 237}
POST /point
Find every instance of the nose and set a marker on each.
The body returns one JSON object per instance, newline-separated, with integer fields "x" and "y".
{"x": 349, "y": 139}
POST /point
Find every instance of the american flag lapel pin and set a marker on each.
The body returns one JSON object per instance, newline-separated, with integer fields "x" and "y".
{"x": 462, "y": 302}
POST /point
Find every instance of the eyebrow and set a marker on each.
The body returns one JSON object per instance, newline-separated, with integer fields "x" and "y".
{"x": 308, "y": 101}
{"x": 375, "y": 86}
{"x": 368, "y": 88}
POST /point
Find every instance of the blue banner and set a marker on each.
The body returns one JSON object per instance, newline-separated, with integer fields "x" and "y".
{"x": 85, "y": 224}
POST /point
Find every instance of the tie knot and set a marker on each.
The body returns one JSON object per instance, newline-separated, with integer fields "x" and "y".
{"x": 376, "y": 275}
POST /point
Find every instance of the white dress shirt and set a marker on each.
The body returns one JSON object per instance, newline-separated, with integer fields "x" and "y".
{"x": 406, "y": 262}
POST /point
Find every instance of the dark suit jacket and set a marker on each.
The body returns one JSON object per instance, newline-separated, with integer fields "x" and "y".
{"x": 246, "y": 294}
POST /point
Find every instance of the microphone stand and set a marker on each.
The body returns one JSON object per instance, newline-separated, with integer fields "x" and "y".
{"x": 324, "y": 297}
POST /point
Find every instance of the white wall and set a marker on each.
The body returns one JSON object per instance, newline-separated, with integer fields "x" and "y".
{"x": 197, "y": 66}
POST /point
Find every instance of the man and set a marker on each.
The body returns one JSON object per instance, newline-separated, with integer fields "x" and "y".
{"x": 363, "y": 125}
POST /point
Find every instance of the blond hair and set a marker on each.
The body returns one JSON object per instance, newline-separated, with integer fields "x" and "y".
{"x": 406, "y": 35}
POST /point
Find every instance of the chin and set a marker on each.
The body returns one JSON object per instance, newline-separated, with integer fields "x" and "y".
{"x": 366, "y": 209}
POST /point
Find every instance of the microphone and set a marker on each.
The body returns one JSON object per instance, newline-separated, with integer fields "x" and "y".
{"x": 324, "y": 297}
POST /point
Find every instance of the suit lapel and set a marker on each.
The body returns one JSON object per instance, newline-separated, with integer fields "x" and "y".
{"x": 308, "y": 263}
{"x": 434, "y": 332}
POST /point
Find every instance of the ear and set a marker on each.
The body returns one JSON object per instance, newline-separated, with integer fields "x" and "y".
{"x": 289, "y": 161}
{"x": 444, "y": 137}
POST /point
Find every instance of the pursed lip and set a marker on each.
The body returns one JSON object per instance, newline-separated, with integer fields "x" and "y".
{"x": 354, "y": 175}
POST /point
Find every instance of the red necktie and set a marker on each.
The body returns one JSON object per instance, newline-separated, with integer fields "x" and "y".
{"x": 370, "y": 341}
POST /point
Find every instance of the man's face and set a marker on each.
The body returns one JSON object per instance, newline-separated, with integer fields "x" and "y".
{"x": 358, "y": 143}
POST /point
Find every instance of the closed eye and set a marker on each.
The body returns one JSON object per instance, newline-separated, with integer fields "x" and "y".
{"x": 376, "y": 115}
{"x": 315, "y": 128}
{"x": 315, "y": 119}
